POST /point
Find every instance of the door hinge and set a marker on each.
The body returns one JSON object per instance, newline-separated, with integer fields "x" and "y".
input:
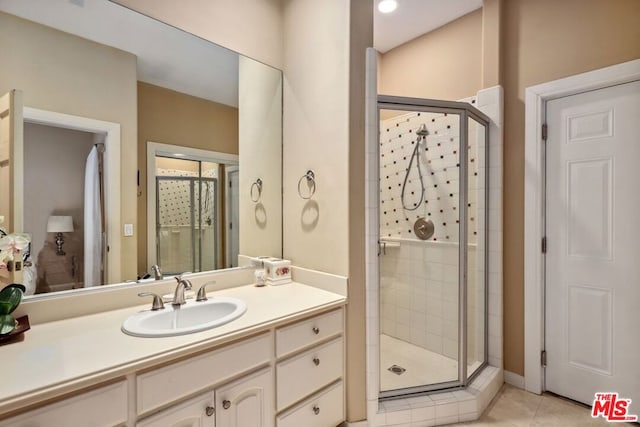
{"x": 544, "y": 132}
{"x": 543, "y": 358}
{"x": 544, "y": 245}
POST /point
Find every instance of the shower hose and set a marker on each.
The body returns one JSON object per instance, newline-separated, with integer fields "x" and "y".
{"x": 414, "y": 155}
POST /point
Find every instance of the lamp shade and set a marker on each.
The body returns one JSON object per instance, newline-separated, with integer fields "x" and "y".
{"x": 60, "y": 224}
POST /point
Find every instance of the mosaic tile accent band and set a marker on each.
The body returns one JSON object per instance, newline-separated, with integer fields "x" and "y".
{"x": 439, "y": 163}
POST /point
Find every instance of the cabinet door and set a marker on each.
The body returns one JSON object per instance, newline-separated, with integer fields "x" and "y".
{"x": 198, "y": 412}
{"x": 247, "y": 402}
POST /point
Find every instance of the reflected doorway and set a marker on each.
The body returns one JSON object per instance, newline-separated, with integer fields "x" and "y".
{"x": 187, "y": 215}
{"x": 190, "y": 199}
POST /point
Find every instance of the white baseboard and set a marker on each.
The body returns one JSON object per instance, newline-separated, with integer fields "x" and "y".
{"x": 356, "y": 424}
{"x": 514, "y": 379}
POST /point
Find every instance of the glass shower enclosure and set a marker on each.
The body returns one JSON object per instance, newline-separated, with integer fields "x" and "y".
{"x": 187, "y": 211}
{"x": 433, "y": 161}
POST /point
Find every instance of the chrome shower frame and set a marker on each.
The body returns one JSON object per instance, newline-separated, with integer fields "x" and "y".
{"x": 465, "y": 111}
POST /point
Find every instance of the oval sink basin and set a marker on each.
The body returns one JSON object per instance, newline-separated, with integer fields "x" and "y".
{"x": 186, "y": 319}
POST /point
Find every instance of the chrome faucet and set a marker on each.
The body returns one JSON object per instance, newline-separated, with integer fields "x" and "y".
{"x": 178, "y": 295}
{"x": 157, "y": 273}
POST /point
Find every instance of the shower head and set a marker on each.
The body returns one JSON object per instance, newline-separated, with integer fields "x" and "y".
{"x": 422, "y": 130}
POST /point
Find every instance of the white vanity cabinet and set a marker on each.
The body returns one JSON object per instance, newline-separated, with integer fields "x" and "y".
{"x": 281, "y": 376}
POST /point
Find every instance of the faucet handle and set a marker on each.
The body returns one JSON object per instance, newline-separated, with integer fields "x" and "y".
{"x": 158, "y": 304}
{"x": 202, "y": 294}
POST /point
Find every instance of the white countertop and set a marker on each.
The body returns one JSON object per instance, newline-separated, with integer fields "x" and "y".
{"x": 67, "y": 355}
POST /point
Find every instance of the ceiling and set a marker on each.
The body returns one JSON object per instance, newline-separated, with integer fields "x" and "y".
{"x": 414, "y": 18}
{"x": 167, "y": 57}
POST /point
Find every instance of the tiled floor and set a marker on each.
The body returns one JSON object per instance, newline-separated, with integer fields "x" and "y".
{"x": 515, "y": 407}
{"x": 422, "y": 366}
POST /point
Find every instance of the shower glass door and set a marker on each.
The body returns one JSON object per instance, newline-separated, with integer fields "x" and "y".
{"x": 187, "y": 215}
{"x": 431, "y": 269}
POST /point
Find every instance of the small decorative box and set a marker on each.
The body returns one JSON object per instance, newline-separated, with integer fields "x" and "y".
{"x": 278, "y": 271}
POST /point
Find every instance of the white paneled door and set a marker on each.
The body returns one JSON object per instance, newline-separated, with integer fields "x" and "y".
{"x": 592, "y": 291}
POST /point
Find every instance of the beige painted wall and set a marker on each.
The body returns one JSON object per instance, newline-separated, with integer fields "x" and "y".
{"x": 544, "y": 40}
{"x": 260, "y": 141}
{"x": 67, "y": 74}
{"x": 443, "y": 64}
{"x": 324, "y": 67}
{"x": 175, "y": 118}
{"x": 250, "y": 27}
{"x": 316, "y": 133}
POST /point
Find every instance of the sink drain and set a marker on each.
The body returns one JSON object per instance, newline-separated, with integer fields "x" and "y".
{"x": 398, "y": 370}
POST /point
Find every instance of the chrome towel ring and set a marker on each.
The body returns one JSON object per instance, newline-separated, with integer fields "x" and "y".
{"x": 256, "y": 191}
{"x": 311, "y": 182}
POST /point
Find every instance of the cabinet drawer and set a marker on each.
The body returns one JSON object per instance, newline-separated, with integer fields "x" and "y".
{"x": 307, "y": 332}
{"x": 105, "y": 406}
{"x": 170, "y": 383}
{"x": 326, "y": 409}
{"x": 305, "y": 373}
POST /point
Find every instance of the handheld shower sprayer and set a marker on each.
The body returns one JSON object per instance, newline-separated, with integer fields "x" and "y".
{"x": 422, "y": 133}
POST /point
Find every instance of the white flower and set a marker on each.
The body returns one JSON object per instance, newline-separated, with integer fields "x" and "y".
{"x": 14, "y": 243}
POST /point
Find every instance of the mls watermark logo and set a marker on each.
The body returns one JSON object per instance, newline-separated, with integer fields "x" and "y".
{"x": 612, "y": 408}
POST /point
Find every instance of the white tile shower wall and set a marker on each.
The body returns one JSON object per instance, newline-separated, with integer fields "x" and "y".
{"x": 438, "y": 156}
{"x": 419, "y": 294}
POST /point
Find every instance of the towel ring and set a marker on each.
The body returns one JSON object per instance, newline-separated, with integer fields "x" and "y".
{"x": 311, "y": 180}
{"x": 258, "y": 190}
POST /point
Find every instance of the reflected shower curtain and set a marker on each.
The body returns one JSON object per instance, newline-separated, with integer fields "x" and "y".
{"x": 92, "y": 220}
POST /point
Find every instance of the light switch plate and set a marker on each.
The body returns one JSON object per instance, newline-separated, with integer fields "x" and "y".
{"x": 128, "y": 230}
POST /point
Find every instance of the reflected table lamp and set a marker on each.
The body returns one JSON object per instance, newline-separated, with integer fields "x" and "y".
{"x": 59, "y": 225}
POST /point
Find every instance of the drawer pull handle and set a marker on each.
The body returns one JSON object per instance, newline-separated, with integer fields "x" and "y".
{"x": 316, "y": 361}
{"x": 316, "y": 330}
{"x": 226, "y": 404}
{"x": 316, "y": 410}
{"x": 210, "y": 410}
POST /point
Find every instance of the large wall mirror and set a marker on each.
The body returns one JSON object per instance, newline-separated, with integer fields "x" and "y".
{"x": 131, "y": 144}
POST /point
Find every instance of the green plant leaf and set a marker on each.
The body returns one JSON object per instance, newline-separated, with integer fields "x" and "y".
{"x": 7, "y": 324}
{"x": 10, "y": 298}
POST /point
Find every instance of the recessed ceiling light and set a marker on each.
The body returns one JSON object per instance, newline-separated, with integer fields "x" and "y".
{"x": 387, "y": 6}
